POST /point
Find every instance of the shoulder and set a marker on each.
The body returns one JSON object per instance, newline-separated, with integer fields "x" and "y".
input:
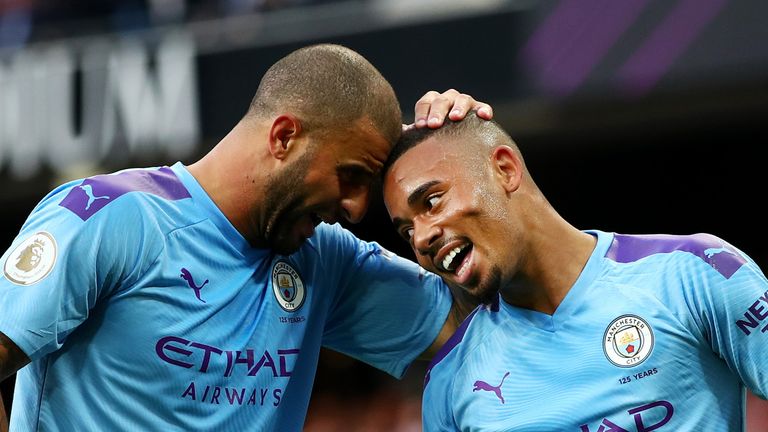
{"x": 329, "y": 236}
{"x": 703, "y": 248}
{"x": 88, "y": 197}
{"x": 334, "y": 240}
{"x": 152, "y": 199}
{"x": 129, "y": 208}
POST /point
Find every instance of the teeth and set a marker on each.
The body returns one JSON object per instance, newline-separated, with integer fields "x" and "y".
{"x": 451, "y": 255}
{"x": 462, "y": 269}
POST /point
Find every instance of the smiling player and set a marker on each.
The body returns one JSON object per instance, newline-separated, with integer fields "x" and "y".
{"x": 581, "y": 330}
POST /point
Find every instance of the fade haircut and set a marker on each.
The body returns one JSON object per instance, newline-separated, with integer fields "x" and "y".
{"x": 478, "y": 136}
{"x": 329, "y": 87}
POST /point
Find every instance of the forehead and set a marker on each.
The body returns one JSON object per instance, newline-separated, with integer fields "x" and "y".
{"x": 360, "y": 142}
{"x": 434, "y": 159}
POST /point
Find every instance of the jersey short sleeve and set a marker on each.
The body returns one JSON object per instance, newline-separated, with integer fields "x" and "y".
{"x": 60, "y": 266}
{"x": 728, "y": 295}
{"x": 386, "y": 310}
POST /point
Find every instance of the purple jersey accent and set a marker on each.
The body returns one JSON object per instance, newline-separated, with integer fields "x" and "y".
{"x": 456, "y": 338}
{"x": 718, "y": 254}
{"x": 451, "y": 343}
{"x": 96, "y": 192}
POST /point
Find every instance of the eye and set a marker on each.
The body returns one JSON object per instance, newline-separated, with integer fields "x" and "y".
{"x": 407, "y": 234}
{"x": 432, "y": 201}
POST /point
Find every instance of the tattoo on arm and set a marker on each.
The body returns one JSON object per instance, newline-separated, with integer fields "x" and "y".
{"x": 12, "y": 358}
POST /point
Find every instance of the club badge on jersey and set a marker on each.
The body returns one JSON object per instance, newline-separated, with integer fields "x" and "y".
{"x": 287, "y": 286}
{"x": 628, "y": 341}
{"x": 32, "y": 260}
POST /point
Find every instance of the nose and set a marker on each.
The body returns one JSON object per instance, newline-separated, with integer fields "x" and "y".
{"x": 425, "y": 234}
{"x": 355, "y": 203}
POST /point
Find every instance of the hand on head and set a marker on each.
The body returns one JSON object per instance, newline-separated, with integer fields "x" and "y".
{"x": 432, "y": 109}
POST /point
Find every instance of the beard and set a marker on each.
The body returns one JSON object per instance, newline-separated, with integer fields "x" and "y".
{"x": 283, "y": 201}
{"x": 488, "y": 290}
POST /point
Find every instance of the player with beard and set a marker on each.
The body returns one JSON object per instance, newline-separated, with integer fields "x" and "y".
{"x": 198, "y": 297}
{"x": 580, "y": 330}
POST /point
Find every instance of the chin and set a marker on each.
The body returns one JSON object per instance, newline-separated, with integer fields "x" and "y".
{"x": 488, "y": 290}
{"x": 475, "y": 294}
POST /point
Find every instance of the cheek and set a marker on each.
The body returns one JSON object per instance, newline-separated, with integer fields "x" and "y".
{"x": 322, "y": 189}
{"x": 483, "y": 204}
{"x": 424, "y": 261}
{"x": 460, "y": 213}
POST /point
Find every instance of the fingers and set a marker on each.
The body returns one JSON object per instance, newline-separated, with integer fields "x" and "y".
{"x": 432, "y": 109}
{"x": 465, "y": 103}
{"x": 423, "y": 109}
{"x": 484, "y": 111}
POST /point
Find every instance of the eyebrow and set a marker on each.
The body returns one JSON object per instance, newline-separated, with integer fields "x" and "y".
{"x": 419, "y": 191}
{"x": 412, "y": 198}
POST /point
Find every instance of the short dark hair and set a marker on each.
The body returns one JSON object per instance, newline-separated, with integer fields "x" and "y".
{"x": 329, "y": 86}
{"x": 486, "y": 132}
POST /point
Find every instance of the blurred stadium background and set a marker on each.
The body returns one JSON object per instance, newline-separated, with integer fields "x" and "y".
{"x": 635, "y": 116}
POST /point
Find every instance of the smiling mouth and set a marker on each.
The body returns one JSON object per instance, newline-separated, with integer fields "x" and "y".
{"x": 456, "y": 260}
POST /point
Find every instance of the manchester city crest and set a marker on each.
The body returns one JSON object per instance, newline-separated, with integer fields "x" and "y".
{"x": 287, "y": 286}
{"x": 628, "y": 341}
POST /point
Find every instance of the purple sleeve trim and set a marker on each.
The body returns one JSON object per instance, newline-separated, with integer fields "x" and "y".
{"x": 721, "y": 256}
{"x": 451, "y": 343}
{"x": 95, "y": 193}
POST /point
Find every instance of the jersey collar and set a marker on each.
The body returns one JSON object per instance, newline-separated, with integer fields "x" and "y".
{"x": 205, "y": 205}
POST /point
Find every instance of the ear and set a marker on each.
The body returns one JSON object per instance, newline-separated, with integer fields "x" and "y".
{"x": 508, "y": 167}
{"x": 282, "y": 135}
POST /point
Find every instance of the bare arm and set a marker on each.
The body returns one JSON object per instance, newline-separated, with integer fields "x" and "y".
{"x": 3, "y": 417}
{"x": 757, "y": 413}
{"x": 12, "y": 358}
{"x": 462, "y": 305}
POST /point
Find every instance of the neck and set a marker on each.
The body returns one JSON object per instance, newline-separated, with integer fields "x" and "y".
{"x": 555, "y": 256}
{"x": 234, "y": 174}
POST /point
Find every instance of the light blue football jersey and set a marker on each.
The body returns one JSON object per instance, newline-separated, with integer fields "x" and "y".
{"x": 143, "y": 308}
{"x": 657, "y": 334}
